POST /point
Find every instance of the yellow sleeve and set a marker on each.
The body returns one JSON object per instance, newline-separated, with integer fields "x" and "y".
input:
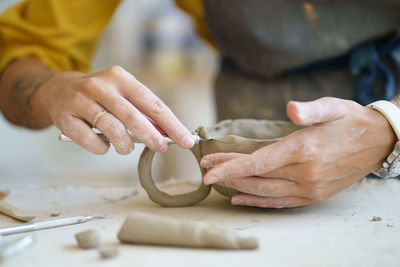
{"x": 195, "y": 9}
{"x": 62, "y": 33}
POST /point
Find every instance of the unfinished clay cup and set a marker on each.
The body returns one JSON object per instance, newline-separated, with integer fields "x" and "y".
{"x": 242, "y": 136}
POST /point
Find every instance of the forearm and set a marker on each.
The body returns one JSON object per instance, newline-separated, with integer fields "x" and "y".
{"x": 20, "y": 85}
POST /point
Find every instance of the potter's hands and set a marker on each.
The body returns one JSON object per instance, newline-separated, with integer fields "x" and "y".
{"x": 73, "y": 99}
{"x": 344, "y": 143}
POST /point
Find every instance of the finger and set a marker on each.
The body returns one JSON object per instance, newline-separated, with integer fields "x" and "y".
{"x": 152, "y": 106}
{"x": 212, "y": 160}
{"x": 116, "y": 133}
{"x": 81, "y": 134}
{"x": 264, "y": 160}
{"x": 321, "y": 110}
{"x": 107, "y": 124}
{"x": 264, "y": 187}
{"x": 132, "y": 118}
{"x": 270, "y": 202}
{"x": 155, "y": 108}
{"x": 309, "y": 172}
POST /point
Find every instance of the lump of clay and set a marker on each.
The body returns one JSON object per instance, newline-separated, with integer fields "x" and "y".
{"x": 142, "y": 228}
{"x": 107, "y": 252}
{"x": 88, "y": 239}
{"x": 241, "y": 136}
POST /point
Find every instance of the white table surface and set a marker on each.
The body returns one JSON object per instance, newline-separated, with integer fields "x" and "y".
{"x": 338, "y": 232}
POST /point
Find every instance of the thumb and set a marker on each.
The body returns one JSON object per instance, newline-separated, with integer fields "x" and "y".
{"x": 318, "y": 111}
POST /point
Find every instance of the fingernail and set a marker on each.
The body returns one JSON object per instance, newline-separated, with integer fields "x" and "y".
{"x": 205, "y": 163}
{"x": 237, "y": 201}
{"x": 211, "y": 180}
{"x": 188, "y": 141}
{"x": 164, "y": 148}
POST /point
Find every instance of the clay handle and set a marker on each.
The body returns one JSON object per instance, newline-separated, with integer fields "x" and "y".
{"x": 162, "y": 198}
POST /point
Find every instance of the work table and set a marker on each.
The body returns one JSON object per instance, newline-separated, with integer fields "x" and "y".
{"x": 339, "y": 232}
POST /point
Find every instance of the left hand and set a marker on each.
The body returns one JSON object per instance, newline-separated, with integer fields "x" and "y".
{"x": 345, "y": 142}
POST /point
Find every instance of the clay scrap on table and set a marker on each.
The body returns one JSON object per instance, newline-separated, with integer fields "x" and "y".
{"x": 143, "y": 228}
{"x": 15, "y": 212}
{"x": 4, "y": 193}
{"x": 88, "y": 239}
{"x": 107, "y": 252}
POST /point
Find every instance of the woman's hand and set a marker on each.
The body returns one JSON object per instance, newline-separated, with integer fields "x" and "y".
{"x": 345, "y": 142}
{"x": 35, "y": 97}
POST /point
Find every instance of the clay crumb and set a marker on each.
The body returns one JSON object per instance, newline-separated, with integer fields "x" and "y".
{"x": 376, "y": 219}
{"x": 4, "y": 193}
{"x": 88, "y": 239}
{"x": 55, "y": 214}
{"x": 107, "y": 252}
{"x": 389, "y": 225}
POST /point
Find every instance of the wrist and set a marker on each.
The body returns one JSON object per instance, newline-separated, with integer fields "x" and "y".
{"x": 40, "y": 101}
{"x": 391, "y": 163}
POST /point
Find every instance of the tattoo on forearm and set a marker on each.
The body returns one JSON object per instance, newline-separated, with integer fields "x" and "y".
{"x": 23, "y": 90}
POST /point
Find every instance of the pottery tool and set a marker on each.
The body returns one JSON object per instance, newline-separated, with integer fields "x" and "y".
{"x": 34, "y": 226}
{"x": 64, "y": 138}
{"x": 10, "y": 248}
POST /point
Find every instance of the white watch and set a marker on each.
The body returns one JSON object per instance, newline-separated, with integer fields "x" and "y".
{"x": 391, "y": 167}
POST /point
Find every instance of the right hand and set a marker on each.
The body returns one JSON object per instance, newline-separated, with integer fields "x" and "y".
{"x": 72, "y": 100}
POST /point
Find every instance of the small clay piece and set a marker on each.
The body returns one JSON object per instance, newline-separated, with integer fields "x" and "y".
{"x": 55, "y": 214}
{"x": 88, "y": 239}
{"x": 376, "y": 219}
{"x": 143, "y": 228}
{"x": 241, "y": 136}
{"x": 107, "y": 252}
{"x": 4, "y": 193}
{"x": 15, "y": 212}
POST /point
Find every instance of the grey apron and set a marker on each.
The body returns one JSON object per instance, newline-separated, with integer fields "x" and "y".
{"x": 266, "y": 39}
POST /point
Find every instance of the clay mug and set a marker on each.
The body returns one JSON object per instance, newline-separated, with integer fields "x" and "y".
{"x": 242, "y": 136}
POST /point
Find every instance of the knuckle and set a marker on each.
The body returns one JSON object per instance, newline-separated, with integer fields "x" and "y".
{"x": 318, "y": 192}
{"x": 113, "y": 127}
{"x": 254, "y": 163}
{"x": 77, "y": 97}
{"x": 91, "y": 85}
{"x": 116, "y": 70}
{"x": 153, "y": 141}
{"x": 311, "y": 175}
{"x": 130, "y": 118}
{"x": 61, "y": 116}
{"x": 157, "y": 106}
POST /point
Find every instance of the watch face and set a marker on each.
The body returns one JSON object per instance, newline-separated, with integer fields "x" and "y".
{"x": 394, "y": 169}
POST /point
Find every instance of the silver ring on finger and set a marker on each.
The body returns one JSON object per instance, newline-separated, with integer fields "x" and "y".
{"x": 98, "y": 116}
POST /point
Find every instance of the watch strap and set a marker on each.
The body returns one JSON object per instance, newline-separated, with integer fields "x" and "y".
{"x": 391, "y": 167}
{"x": 391, "y": 113}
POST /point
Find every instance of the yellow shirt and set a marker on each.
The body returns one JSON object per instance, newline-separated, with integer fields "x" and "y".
{"x": 63, "y": 33}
